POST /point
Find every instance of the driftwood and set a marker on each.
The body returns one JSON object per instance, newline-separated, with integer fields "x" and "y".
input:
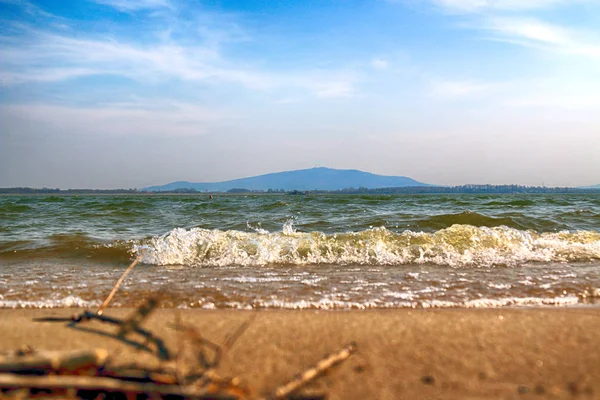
{"x": 92, "y": 374}
{"x": 130, "y": 324}
{"x": 201, "y": 345}
{"x": 116, "y": 287}
{"x": 310, "y": 374}
{"x": 230, "y": 341}
{"x": 134, "y": 379}
{"x": 106, "y": 385}
{"x": 54, "y": 361}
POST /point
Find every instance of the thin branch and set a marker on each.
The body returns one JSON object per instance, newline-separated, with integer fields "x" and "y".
{"x": 238, "y": 333}
{"x": 310, "y": 374}
{"x": 116, "y": 287}
{"x": 104, "y": 384}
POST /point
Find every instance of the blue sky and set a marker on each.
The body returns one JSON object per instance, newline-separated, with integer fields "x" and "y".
{"x": 130, "y": 93}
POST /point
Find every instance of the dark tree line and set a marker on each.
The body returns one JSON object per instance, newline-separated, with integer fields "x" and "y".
{"x": 27, "y": 190}
{"x": 483, "y": 189}
{"x": 465, "y": 189}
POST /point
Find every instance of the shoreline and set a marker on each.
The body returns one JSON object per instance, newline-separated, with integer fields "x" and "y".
{"x": 531, "y": 352}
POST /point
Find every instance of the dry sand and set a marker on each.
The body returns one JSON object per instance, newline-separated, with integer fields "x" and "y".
{"x": 402, "y": 354}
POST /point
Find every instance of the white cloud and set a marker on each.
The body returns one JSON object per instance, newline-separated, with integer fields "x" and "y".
{"x": 511, "y": 21}
{"x": 288, "y": 100}
{"x": 138, "y": 117}
{"x": 80, "y": 58}
{"x": 339, "y": 88}
{"x": 530, "y": 30}
{"x": 31, "y": 9}
{"x": 194, "y": 55}
{"x": 380, "y": 64}
{"x": 557, "y": 100}
{"x": 534, "y": 33}
{"x": 135, "y": 5}
{"x": 459, "y": 89}
{"x": 498, "y": 5}
{"x": 49, "y": 75}
{"x": 557, "y": 94}
{"x": 550, "y": 92}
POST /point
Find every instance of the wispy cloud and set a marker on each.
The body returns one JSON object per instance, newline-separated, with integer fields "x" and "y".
{"x": 530, "y": 30}
{"x": 517, "y": 22}
{"x": 33, "y": 11}
{"x": 470, "y": 6}
{"x": 50, "y": 57}
{"x": 140, "y": 116}
{"x": 379, "y": 63}
{"x": 135, "y": 5}
{"x": 451, "y": 89}
{"x": 559, "y": 99}
{"x": 341, "y": 87}
{"x": 189, "y": 49}
{"x": 537, "y": 93}
{"x": 534, "y": 33}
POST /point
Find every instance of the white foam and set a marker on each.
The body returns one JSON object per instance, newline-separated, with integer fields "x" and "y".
{"x": 457, "y": 246}
{"x": 400, "y": 301}
{"x": 67, "y": 302}
{"x": 521, "y": 301}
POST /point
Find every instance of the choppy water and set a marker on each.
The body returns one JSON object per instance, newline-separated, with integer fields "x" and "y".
{"x": 314, "y": 251}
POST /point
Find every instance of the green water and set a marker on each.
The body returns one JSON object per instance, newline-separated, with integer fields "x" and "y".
{"x": 303, "y": 251}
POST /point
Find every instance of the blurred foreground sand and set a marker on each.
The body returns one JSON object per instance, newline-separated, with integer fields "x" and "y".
{"x": 402, "y": 354}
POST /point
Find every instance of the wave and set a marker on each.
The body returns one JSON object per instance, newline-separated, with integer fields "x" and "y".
{"x": 9, "y": 208}
{"x": 466, "y": 218}
{"x": 456, "y": 246}
{"x": 322, "y": 304}
{"x": 68, "y": 246}
{"x": 53, "y": 199}
{"x": 459, "y": 245}
{"x": 516, "y": 203}
{"x": 67, "y": 302}
{"x": 329, "y": 304}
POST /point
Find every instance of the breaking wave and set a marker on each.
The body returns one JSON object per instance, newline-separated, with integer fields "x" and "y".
{"x": 456, "y": 246}
{"x": 67, "y": 302}
{"x": 67, "y": 246}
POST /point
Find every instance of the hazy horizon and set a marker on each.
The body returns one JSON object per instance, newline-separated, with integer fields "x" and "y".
{"x": 134, "y": 93}
{"x": 272, "y": 173}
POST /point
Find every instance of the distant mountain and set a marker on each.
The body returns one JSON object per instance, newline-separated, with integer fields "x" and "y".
{"x": 590, "y": 187}
{"x": 304, "y": 179}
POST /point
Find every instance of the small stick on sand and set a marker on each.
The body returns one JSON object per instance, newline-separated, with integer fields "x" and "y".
{"x": 307, "y": 376}
{"x": 56, "y": 382}
{"x": 134, "y": 322}
{"x": 116, "y": 287}
{"x": 179, "y": 373}
{"x": 131, "y": 324}
{"x": 53, "y": 361}
{"x": 201, "y": 344}
{"x": 237, "y": 334}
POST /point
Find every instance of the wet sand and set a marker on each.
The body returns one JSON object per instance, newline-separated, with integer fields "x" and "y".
{"x": 402, "y": 354}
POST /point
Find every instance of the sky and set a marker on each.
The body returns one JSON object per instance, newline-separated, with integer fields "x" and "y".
{"x": 133, "y": 93}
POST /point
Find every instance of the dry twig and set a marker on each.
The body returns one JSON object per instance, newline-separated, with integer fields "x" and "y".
{"x": 134, "y": 379}
{"x": 116, "y": 287}
{"x": 310, "y": 374}
{"x": 54, "y": 361}
{"x": 130, "y": 324}
{"x": 101, "y": 384}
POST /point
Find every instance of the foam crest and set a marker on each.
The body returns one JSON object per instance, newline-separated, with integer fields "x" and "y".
{"x": 336, "y": 304}
{"x": 456, "y": 246}
{"x": 67, "y": 302}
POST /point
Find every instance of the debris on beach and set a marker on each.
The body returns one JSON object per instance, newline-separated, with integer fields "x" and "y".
{"x": 285, "y": 391}
{"x": 96, "y": 374}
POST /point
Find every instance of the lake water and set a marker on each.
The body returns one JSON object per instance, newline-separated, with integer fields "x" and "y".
{"x": 306, "y": 251}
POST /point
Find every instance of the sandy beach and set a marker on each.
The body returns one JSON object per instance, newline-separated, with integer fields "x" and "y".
{"x": 402, "y": 354}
